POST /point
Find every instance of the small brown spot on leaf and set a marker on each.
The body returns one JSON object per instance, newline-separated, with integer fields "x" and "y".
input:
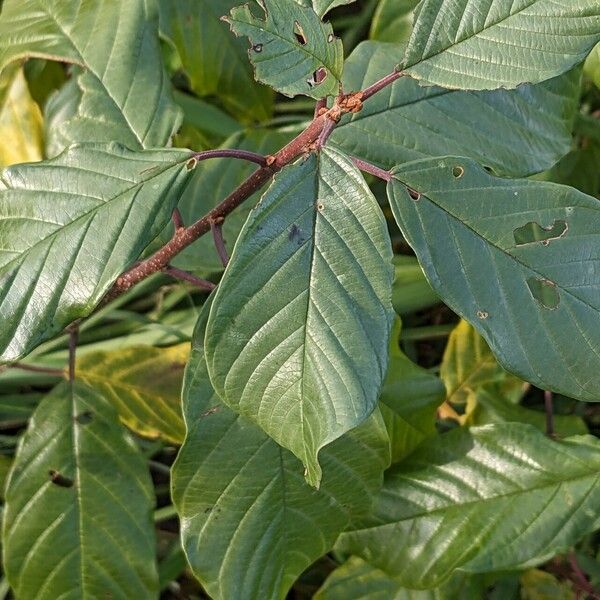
{"x": 320, "y": 206}
{"x": 482, "y": 314}
{"x": 60, "y": 480}
{"x": 330, "y": 38}
{"x": 85, "y": 418}
{"x": 257, "y": 48}
{"x": 416, "y": 196}
{"x": 317, "y": 77}
{"x": 190, "y": 165}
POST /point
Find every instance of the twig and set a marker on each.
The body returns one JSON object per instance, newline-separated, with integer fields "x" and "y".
{"x": 35, "y": 369}
{"x": 325, "y": 133}
{"x": 189, "y": 278}
{"x": 259, "y": 159}
{"x": 177, "y": 219}
{"x": 372, "y": 169}
{"x": 217, "y": 232}
{"x": 73, "y": 337}
{"x": 382, "y": 83}
{"x": 549, "y": 408}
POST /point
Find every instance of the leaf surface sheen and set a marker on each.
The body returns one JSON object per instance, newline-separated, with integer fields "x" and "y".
{"x": 250, "y": 523}
{"x": 124, "y": 93}
{"x": 488, "y": 44}
{"x": 70, "y": 226}
{"x": 78, "y": 515}
{"x": 490, "y": 498}
{"x": 297, "y": 340}
{"x": 518, "y": 259}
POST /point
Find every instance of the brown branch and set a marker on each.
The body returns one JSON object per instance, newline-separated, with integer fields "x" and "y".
{"x": 183, "y": 237}
{"x": 258, "y": 159}
{"x": 217, "y": 231}
{"x": 203, "y": 284}
{"x": 367, "y": 167}
{"x": 177, "y": 219}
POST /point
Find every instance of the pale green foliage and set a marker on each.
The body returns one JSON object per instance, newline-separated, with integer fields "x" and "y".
{"x": 469, "y": 44}
{"x": 77, "y": 521}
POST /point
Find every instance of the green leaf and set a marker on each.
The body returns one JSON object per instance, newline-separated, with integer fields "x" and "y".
{"x": 298, "y": 334}
{"x": 462, "y": 44}
{"x": 392, "y": 21}
{"x": 20, "y": 122}
{"x": 490, "y": 406}
{"x": 144, "y": 385}
{"x": 516, "y": 132}
{"x": 291, "y": 48}
{"x": 468, "y": 364}
{"x": 540, "y": 585}
{"x": 411, "y": 290}
{"x": 211, "y": 182}
{"x": 215, "y": 62}
{"x": 125, "y": 95}
{"x": 411, "y": 397}
{"x": 321, "y": 7}
{"x": 487, "y": 499}
{"x": 78, "y": 515}
{"x": 70, "y": 226}
{"x": 517, "y": 259}
{"x": 358, "y": 580}
{"x": 592, "y": 66}
{"x": 250, "y": 523}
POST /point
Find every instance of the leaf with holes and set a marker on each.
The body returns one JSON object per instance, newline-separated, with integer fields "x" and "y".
{"x": 124, "y": 95}
{"x": 70, "y": 226}
{"x": 215, "y": 62}
{"x": 298, "y": 333}
{"x": 409, "y": 400}
{"x": 516, "y": 132}
{"x": 250, "y": 523}
{"x": 467, "y": 44}
{"x": 78, "y": 516}
{"x": 491, "y": 498}
{"x": 144, "y": 385}
{"x": 519, "y": 259}
{"x": 292, "y": 50}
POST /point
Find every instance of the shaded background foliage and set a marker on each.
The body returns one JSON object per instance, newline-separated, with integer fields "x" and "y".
{"x": 442, "y": 375}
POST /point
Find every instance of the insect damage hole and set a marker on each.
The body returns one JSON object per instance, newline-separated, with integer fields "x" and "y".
{"x": 544, "y": 291}
{"x": 299, "y": 34}
{"x": 257, "y": 48}
{"x": 458, "y": 171}
{"x": 533, "y": 232}
{"x": 416, "y": 196}
{"x": 318, "y": 76}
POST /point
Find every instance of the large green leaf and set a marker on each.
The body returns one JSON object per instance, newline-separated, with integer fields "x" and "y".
{"x": 518, "y": 259}
{"x": 392, "y": 21}
{"x": 211, "y": 182}
{"x": 215, "y": 62}
{"x": 292, "y": 50}
{"x": 298, "y": 333}
{"x": 487, "y": 499}
{"x": 411, "y": 290}
{"x": 125, "y": 95}
{"x": 78, "y": 515}
{"x": 250, "y": 523}
{"x": 144, "y": 385}
{"x": 516, "y": 132}
{"x": 70, "y": 226}
{"x": 410, "y": 397}
{"x": 470, "y": 44}
{"x": 358, "y": 580}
